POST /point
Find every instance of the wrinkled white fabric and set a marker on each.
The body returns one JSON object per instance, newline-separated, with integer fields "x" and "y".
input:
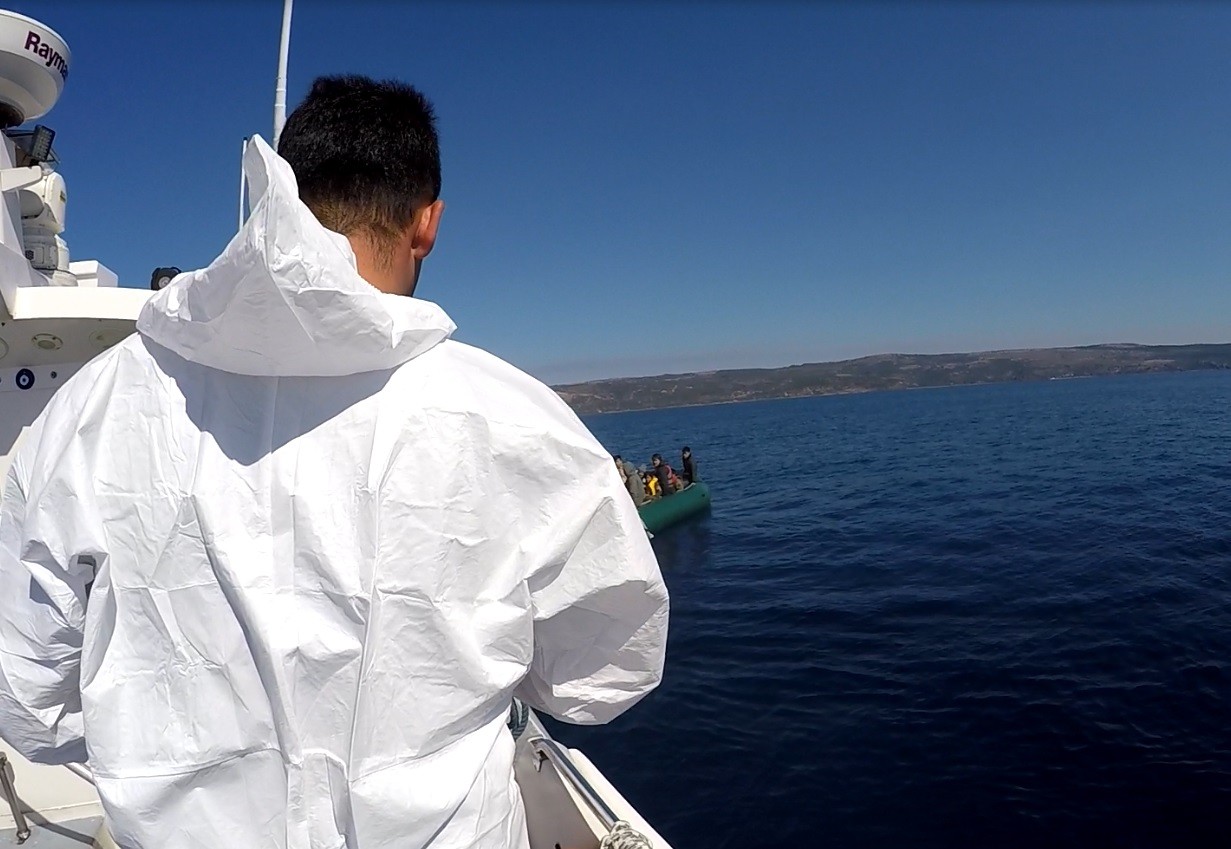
{"x": 289, "y": 552}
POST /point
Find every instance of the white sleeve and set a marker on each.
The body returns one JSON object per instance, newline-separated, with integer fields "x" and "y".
{"x": 600, "y": 604}
{"x": 50, "y": 544}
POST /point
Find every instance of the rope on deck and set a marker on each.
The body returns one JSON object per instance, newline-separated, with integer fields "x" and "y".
{"x": 624, "y": 836}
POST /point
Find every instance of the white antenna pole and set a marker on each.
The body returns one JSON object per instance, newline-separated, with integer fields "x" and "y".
{"x": 280, "y": 89}
{"x": 242, "y": 182}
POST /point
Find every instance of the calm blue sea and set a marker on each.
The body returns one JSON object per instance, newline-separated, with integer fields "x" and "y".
{"x": 980, "y": 616}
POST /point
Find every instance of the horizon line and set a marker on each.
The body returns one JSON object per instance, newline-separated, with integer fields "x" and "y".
{"x": 883, "y": 354}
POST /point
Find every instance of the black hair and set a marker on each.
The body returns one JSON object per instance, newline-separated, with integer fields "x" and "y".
{"x": 365, "y": 154}
{"x": 657, "y": 457}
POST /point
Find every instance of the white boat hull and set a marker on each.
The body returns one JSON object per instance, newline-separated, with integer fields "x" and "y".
{"x": 558, "y": 812}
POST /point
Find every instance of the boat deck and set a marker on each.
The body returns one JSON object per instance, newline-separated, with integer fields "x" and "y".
{"x": 49, "y": 835}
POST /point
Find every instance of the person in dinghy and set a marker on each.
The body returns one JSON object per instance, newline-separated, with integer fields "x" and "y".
{"x": 288, "y": 553}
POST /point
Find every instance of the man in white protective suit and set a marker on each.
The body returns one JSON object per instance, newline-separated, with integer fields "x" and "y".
{"x": 279, "y": 561}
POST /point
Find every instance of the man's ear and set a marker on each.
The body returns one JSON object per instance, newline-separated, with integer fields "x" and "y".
{"x": 426, "y": 226}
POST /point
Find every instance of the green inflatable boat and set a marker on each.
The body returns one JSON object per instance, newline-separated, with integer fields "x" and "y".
{"x": 662, "y": 513}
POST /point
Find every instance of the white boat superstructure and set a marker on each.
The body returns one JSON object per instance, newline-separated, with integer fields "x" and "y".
{"x": 55, "y": 316}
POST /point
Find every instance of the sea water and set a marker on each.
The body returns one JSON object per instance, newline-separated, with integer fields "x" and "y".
{"x": 979, "y": 616}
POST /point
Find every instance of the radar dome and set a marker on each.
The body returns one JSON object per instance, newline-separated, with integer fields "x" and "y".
{"x": 34, "y": 64}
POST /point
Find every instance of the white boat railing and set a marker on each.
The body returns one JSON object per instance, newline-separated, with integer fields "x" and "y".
{"x": 82, "y": 772}
{"x": 549, "y": 750}
{"x": 620, "y": 834}
{"x": 17, "y": 809}
{"x": 14, "y": 803}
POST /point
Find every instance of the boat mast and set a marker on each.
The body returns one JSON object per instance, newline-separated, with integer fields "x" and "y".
{"x": 284, "y": 49}
{"x": 280, "y": 89}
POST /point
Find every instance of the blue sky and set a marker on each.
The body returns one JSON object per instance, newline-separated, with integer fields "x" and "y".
{"x": 640, "y": 188}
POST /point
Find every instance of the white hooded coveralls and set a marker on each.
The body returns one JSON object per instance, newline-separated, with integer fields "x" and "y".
{"x": 287, "y": 553}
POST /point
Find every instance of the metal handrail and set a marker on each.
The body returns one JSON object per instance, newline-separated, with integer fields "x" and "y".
{"x": 548, "y": 749}
{"x": 10, "y": 796}
{"x": 81, "y": 771}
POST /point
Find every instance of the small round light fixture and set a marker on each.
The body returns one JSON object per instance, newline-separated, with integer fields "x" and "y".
{"x": 47, "y": 342}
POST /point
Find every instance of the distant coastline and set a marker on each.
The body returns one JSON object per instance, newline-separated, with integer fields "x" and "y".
{"x": 883, "y": 372}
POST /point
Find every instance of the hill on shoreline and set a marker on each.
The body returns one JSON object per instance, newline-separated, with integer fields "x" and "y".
{"x": 886, "y": 371}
